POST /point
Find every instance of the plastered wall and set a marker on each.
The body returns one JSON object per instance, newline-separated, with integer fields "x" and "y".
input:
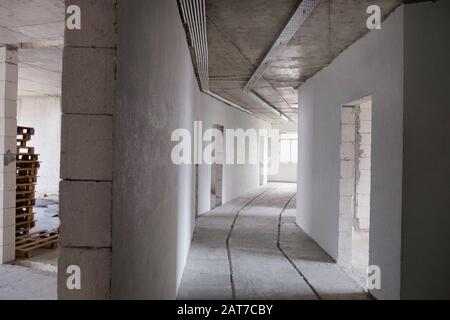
{"x": 153, "y": 203}
{"x": 371, "y": 66}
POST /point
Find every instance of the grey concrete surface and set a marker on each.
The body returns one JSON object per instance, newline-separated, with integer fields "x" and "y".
{"x": 260, "y": 270}
{"x": 426, "y": 139}
{"x": 35, "y": 23}
{"x": 95, "y": 267}
{"x": 87, "y": 150}
{"x": 26, "y": 21}
{"x": 19, "y": 283}
{"x": 241, "y": 32}
{"x": 40, "y": 71}
{"x": 87, "y": 217}
{"x": 42, "y": 259}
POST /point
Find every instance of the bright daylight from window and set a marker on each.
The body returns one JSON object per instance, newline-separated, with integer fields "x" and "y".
{"x": 288, "y": 147}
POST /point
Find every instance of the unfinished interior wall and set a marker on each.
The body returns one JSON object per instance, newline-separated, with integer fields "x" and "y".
{"x": 88, "y": 93}
{"x": 217, "y": 168}
{"x": 8, "y": 131}
{"x": 153, "y": 216}
{"x": 44, "y": 115}
{"x": 347, "y": 183}
{"x": 371, "y": 66}
{"x": 237, "y": 179}
{"x": 426, "y": 200}
{"x": 154, "y": 207}
{"x": 363, "y": 170}
{"x": 354, "y": 188}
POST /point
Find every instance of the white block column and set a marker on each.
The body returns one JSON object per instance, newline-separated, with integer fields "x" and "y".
{"x": 88, "y": 96}
{"x": 8, "y": 131}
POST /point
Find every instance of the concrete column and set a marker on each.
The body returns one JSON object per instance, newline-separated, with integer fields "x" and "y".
{"x": 88, "y": 94}
{"x": 8, "y": 131}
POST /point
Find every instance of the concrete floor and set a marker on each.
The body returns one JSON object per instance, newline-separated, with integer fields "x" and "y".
{"x": 34, "y": 278}
{"x": 268, "y": 256}
{"x": 19, "y": 283}
{"x": 360, "y": 257}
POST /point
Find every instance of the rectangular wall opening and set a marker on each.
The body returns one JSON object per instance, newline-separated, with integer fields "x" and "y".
{"x": 38, "y": 158}
{"x": 217, "y": 171}
{"x": 355, "y": 176}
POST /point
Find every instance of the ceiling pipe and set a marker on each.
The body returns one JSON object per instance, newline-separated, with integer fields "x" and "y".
{"x": 298, "y": 18}
{"x": 295, "y": 22}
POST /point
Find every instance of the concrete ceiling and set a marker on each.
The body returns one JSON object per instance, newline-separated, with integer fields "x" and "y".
{"x": 35, "y": 26}
{"x": 240, "y": 33}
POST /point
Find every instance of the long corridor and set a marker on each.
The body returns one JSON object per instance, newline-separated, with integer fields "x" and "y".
{"x": 251, "y": 248}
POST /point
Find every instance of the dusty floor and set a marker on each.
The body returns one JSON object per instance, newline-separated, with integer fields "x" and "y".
{"x": 19, "y": 283}
{"x": 34, "y": 278}
{"x": 264, "y": 259}
{"x": 360, "y": 257}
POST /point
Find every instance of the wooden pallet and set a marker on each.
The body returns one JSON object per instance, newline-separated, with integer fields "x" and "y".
{"x": 43, "y": 239}
{"x": 24, "y": 215}
{"x": 27, "y": 164}
{"x": 25, "y": 192}
{"x": 25, "y": 228}
{"x": 25, "y": 130}
{"x": 26, "y": 184}
{"x": 24, "y": 207}
{"x": 27, "y": 156}
{"x": 30, "y": 150}
{"x": 30, "y": 163}
{"x": 30, "y": 187}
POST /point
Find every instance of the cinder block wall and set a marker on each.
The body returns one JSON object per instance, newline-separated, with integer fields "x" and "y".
{"x": 88, "y": 94}
{"x": 8, "y": 131}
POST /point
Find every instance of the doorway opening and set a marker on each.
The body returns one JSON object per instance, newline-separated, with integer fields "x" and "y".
{"x": 263, "y": 159}
{"x": 217, "y": 170}
{"x": 355, "y": 176}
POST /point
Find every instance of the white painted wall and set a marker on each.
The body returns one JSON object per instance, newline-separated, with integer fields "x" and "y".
{"x": 153, "y": 202}
{"x": 371, "y": 66}
{"x": 287, "y": 172}
{"x": 44, "y": 115}
{"x": 237, "y": 179}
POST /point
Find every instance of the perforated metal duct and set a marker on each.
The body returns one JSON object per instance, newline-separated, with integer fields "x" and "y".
{"x": 194, "y": 16}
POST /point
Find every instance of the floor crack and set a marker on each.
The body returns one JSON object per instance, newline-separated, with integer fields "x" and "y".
{"x": 233, "y": 290}
{"x": 286, "y": 256}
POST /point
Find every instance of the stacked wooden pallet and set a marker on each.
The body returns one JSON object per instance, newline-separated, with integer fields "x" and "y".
{"x": 42, "y": 239}
{"x": 27, "y": 168}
